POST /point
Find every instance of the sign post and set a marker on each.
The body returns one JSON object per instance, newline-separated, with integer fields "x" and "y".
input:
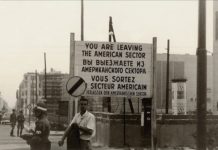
{"x": 154, "y": 98}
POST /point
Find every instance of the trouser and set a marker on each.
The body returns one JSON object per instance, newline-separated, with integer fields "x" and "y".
{"x": 41, "y": 146}
{"x": 12, "y": 129}
{"x": 19, "y": 129}
{"x": 85, "y": 145}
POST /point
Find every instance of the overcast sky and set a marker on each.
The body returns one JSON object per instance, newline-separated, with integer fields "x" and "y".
{"x": 30, "y": 28}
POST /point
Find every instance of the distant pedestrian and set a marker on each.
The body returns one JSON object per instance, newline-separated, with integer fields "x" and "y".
{"x": 13, "y": 120}
{"x": 40, "y": 140}
{"x": 20, "y": 123}
{"x": 83, "y": 127}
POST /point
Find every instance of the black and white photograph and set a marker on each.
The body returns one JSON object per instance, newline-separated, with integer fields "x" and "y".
{"x": 109, "y": 75}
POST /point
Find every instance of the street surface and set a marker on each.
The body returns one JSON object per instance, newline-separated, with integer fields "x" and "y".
{"x": 16, "y": 143}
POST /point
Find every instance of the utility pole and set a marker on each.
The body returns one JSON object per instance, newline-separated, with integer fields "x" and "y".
{"x": 82, "y": 37}
{"x": 32, "y": 91}
{"x": 36, "y": 87}
{"x": 201, "y": 78}
{"x": 45, "y": 90}
{"x": 82, "y": 20}
{"x": 167, "y": 79}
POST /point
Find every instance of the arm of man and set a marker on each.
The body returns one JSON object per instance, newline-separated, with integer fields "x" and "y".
{"x": 86, "y": 130}
{"x": 89, "y": 129}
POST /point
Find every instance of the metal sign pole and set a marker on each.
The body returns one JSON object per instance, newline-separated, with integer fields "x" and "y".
{"x": 71, "y": 70}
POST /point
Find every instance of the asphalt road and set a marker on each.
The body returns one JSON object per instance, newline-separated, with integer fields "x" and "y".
{"x": 16, "y": 143}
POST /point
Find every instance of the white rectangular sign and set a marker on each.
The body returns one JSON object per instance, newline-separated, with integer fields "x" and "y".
{"x": 114, "y": 69}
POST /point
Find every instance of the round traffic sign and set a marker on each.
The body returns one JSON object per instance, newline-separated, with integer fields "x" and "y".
{"x": 76, "y": 86}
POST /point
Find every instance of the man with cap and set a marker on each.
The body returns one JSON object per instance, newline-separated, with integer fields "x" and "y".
{"x": 13, "y": 119}
{"x": 20, "y": 123}
{"x": 84, "y": 122}
{"x": 40, "y": 140}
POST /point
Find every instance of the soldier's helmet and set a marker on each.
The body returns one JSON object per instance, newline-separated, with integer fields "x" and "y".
{"x": 41, "y": 106}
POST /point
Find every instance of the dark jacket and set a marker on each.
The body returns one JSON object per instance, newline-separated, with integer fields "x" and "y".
{"x": 20, "y": 119}
{"x": 73, "y": 138}
{"x": 13, "y": 118}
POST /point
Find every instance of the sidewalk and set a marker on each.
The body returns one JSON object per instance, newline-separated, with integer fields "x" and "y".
{"x": 55, "y": 136}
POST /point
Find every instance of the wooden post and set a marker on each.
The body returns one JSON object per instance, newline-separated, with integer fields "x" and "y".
{"x": 153, "y": 111}
{"x": 82, "y": 20}
{"x": 167, "y": 79}
{"x": 36, "y": 86}
{"x": 45, "y": 90}
{"x": 124, "y": 121}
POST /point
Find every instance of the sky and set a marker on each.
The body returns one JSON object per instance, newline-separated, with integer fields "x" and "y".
{"x": 30, "y": 28}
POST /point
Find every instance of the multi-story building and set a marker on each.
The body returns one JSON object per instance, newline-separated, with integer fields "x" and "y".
{"x": 3, "y": 105}
{"x": 215, "y": 56}
{"x": 1, "y": 102}
{"x": 52, "y": 92}
{"x": 29, "y": 92}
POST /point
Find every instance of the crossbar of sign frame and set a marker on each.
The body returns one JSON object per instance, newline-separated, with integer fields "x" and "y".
{"x": 115, "y": 69}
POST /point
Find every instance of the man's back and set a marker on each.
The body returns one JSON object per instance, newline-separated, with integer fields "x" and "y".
{"x": 20, "y": 118}
{"x": 13, "y": 118}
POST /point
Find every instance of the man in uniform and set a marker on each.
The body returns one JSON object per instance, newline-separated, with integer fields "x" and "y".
{"x": 40, "y": 140}
{"x": 20, "y": 123}
{"x": 13, "y": 120}
{"x": 84, "y": 121}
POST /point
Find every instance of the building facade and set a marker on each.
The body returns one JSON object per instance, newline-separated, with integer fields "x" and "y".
{"x": 3, "y": 105}
{"x": 53, "y": 94}
{"x": 185, "y": 66}
{"x": 30, "y": 91}
{"x": 215, "y": 56}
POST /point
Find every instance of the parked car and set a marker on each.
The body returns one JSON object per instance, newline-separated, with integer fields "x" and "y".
{"x": 5, "y": 118}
